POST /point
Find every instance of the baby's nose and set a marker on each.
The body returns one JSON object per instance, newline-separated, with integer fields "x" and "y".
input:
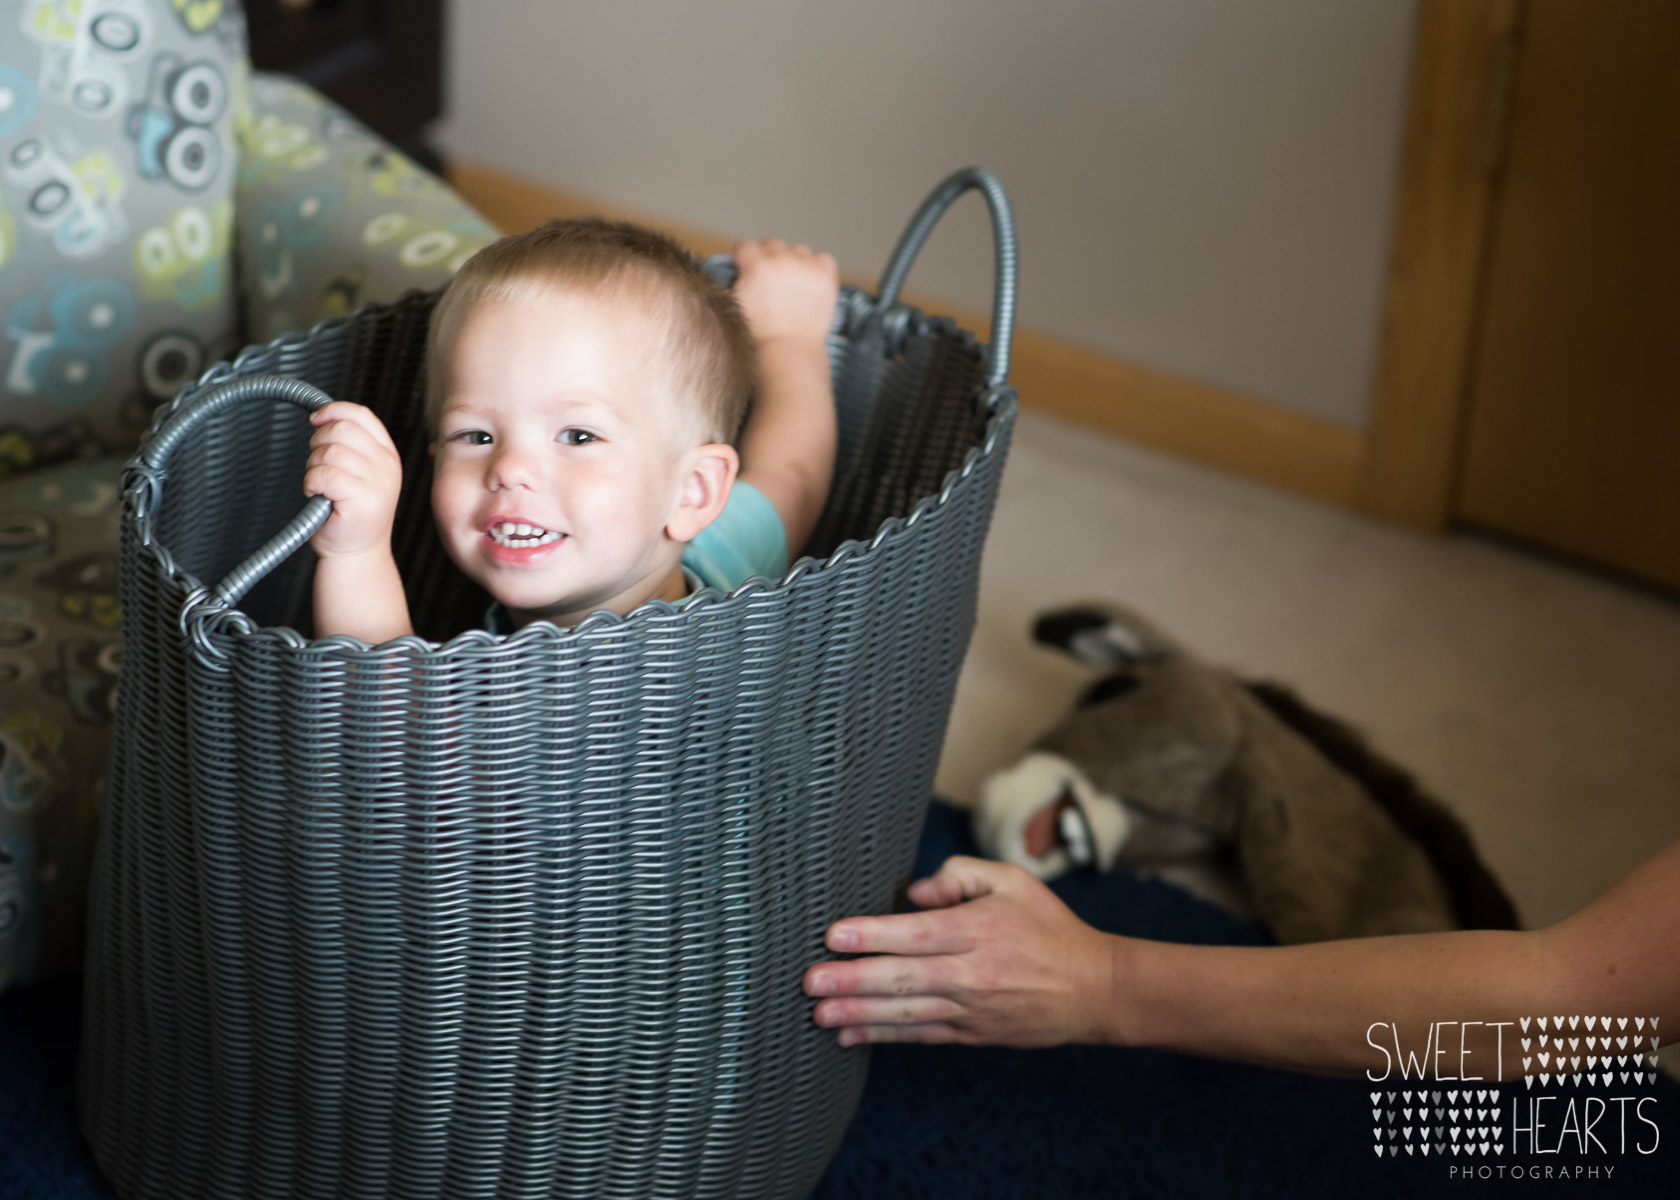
{"x": 514, "y": 467}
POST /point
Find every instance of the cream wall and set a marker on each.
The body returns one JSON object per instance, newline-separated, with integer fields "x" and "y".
{"x": 1202, "y": 185}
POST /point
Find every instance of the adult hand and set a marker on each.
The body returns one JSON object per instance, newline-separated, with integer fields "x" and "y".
{"x": 998, "y": 959}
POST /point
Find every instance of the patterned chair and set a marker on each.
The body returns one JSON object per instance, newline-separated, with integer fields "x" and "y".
{"x": 161, "y": 205}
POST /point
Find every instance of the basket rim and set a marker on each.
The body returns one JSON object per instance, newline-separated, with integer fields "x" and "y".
{"x": 203, "y": 615}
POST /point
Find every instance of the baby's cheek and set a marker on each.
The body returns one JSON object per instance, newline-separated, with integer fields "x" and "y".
{"x": 451, "y": 509}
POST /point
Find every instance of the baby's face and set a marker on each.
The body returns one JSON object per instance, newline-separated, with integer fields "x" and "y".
{"x": 559, "y": 456}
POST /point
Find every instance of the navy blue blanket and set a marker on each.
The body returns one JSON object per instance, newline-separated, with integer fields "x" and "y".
{"x": 942, "y": 1121}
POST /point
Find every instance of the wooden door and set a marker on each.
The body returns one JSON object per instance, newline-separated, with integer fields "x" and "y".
{"x": 1572, "y": 437}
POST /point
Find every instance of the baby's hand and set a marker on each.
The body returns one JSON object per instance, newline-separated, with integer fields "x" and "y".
{"x": 353, "y": 463}
{"x": 787, "y": 292}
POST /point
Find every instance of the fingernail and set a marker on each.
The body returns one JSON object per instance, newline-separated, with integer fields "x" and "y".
{"x": 822, "y": 985}
{"x": 850, "y": 1037}
{"x": 842, "y": 938}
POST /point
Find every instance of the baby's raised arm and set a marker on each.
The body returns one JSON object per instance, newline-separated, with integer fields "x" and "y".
{"x": 787, "y": 448}
{"x": 354, "y": 463}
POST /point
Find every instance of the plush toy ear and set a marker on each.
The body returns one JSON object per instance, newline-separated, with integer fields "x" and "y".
{"x": 1104, "y": 636}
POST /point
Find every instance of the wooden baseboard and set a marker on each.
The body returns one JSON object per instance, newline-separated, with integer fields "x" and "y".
{"x": 1186, "y": 417}
{"x": 1189, "y": 418}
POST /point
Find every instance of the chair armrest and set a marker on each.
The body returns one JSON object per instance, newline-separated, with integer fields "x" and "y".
{"x": 60, "y": 649}
{"x": 328, "y": 216}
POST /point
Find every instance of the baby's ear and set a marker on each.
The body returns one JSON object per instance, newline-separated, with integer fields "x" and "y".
{"x": 708, "y": 473}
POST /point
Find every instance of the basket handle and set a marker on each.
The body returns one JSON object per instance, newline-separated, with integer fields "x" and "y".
{"x": 155, "y": 454}
{"x": 722, "y": 270}
{"x": 1003, "y": 240}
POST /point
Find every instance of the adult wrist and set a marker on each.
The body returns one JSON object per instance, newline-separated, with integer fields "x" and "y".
{"x": 1117, "y": 1015}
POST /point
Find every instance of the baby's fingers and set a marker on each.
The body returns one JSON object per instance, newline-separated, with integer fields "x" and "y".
{"x": 355, "y": 416}
{"x": 365, "y": 452}
{"x": 354, "y": 436}
{"x": 747, "y": 255}
{"x": 341, "y": 470}
{"x": 335, "y": 481}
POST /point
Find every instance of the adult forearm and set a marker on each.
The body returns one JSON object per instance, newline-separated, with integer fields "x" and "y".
{"x": 362, "y": 596}
{"x": 1328, "y": 1007}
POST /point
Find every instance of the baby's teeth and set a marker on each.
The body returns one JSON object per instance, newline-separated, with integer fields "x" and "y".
{"x": 510, "y": 531}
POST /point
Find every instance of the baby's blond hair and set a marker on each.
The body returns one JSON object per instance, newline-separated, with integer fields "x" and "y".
{"x": 707, "y": 343}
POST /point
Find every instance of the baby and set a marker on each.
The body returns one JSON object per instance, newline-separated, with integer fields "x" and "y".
{"x": 587, "y": 388}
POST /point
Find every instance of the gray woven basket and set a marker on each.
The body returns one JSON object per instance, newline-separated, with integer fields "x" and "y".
{"x": 465, "y": 916}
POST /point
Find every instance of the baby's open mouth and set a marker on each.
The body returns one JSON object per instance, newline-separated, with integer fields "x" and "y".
{"x": 519, "y": 536}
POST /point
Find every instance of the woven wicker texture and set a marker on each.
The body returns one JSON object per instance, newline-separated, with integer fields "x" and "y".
{"x": 523, "y": 917}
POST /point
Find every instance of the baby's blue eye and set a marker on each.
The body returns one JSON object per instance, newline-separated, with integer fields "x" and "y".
{"x": 577, "y": 437}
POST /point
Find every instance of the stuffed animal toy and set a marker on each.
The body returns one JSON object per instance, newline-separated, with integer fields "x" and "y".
{"x": 1166, "y": 760}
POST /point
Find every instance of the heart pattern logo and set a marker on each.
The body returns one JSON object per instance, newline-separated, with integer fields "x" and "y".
{"x": 1470, "y": 1117}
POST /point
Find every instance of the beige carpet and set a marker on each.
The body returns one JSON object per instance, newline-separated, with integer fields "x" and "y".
{"x": 1541, "y": 702}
